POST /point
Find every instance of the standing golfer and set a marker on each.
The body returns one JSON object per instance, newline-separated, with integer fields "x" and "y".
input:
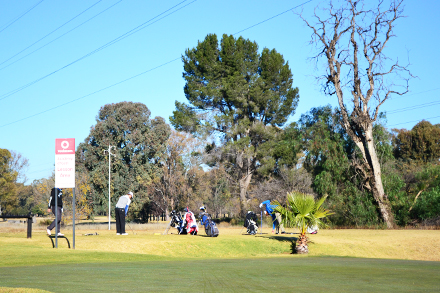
{"x": 276, "y": 217}
{"x": 57, "y": 212}
{"x": 121, "y": 211}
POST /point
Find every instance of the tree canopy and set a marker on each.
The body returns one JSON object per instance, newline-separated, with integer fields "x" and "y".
{"x": 421, "y": 143}
{"x": 239, "y": 95}
{"x": 8, "y": 178}
{"x": 139, "y": 150}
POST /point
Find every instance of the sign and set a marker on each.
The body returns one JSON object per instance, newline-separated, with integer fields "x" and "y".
{"x": 65, "y": 163}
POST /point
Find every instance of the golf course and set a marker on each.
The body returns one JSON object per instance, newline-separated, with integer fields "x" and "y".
{"x": 345, "y": 260}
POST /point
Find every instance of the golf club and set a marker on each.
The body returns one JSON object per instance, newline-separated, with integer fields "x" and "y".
{"x": 131, "y": 228}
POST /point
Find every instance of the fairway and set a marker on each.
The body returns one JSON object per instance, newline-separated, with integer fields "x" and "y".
{"x": 229, "y": 263}
{"x": 309, "y": 274}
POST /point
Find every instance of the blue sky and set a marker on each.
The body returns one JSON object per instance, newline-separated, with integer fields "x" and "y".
{"x": 60, "y": 61}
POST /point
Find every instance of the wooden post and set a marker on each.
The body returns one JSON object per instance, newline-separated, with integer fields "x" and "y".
{"x": 29, "y": 227}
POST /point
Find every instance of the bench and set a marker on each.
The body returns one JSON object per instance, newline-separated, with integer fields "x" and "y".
{"x": 53, "y": 244}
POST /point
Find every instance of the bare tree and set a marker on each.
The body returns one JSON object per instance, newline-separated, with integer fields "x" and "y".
{"x": 19, "y": 164}
{"x": 352, "y": 39}
{"x": 172, "y": 188}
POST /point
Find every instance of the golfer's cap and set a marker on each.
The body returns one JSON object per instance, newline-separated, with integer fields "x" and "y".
{"x": 130, "y": 193}
{"x": 202, "y": 208}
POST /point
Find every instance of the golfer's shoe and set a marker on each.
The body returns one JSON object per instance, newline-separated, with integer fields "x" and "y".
{"x": 124, "y": 233}
{"x": 118, "y": 233}
{"x": 60, "y": 234}
{"x": 48, "y": 232}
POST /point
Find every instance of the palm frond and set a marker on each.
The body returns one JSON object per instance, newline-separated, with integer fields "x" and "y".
{"x": 302, "y": 211}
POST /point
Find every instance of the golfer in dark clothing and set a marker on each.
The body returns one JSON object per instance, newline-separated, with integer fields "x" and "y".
{"x": 57, "y": 212}
{"x": 121, "y": 210}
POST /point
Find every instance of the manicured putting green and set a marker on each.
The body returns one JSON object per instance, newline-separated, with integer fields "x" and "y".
{"x": 284, "y": 274}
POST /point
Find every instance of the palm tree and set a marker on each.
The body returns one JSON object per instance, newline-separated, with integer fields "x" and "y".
{"x": 302, "y": 211}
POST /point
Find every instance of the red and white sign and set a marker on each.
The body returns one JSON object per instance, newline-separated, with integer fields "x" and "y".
{"x": 65, "y": 163}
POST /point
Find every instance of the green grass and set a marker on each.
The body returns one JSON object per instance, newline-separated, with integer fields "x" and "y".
{"x": 229, "y": 263}
{"x": 307, "y": 274}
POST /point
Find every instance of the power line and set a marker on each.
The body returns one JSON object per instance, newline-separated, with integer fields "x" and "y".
{"x": 95, "y": 92}
{"x": 23, "y": 14}
{"x": 61, "y": 35}
{"x": 49, "y": 33}
{"x": 121, "y": 37}
{"x": 414, "y": 121}
{"x": 132, "y": 77}
{"x": 409, "y": 95}
{"x": 413, "y": 107}
{"x": 273, "y": 16}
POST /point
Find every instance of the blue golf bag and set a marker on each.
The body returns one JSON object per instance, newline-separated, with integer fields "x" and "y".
{"x": 210, "y": 227}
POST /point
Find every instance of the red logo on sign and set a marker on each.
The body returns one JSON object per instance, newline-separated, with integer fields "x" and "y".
{"x": 64, "y": 146}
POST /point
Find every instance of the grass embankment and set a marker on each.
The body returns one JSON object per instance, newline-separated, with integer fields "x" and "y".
{"x": 389, "y": 244}
{"x": 378, "y": 261}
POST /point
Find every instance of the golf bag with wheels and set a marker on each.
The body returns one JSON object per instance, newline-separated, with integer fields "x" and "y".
{"x": 177, "y": 222}
{"x": 210, "y": 227}
{"x": 250, "y": 222}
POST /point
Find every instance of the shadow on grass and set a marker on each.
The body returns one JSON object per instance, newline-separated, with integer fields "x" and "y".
{"x": 291, "y": 240}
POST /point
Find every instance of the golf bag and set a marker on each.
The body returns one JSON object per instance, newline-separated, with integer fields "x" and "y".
{"x": 190, "y": 223}
{"x": 250, "y": 222}
{"x": 210, "y": 227}
{"x": 177, "y": 222}
{"x": 313, "y": 230}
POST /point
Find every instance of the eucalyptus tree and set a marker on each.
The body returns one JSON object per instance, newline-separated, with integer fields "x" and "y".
{"x": 140, "y": 147}
{"x": 352, "y": 40}
{"x": 239, "y": 96}
{"x": 421, "y": 143}
{"x": 8, "y": 177}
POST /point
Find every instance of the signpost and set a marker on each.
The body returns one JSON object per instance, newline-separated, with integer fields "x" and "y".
{"x": 65, "y": 174}
{"x": 109, "y": 181}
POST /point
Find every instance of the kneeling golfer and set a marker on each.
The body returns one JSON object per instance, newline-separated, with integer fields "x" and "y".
{"x": 121, "y": 210}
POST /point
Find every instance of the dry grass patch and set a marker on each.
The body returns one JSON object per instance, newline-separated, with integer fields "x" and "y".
{"x": 393, "y": 244}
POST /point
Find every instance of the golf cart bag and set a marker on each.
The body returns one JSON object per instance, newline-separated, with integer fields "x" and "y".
{"x": 177, "y": 222}
{"x": 210, "y": 227}
{"x": 189, "y": 223}
{"x": 250, "y": 222}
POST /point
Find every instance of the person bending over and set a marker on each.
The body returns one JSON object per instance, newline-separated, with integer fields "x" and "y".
{"x": 276, "y": 217}
{"x": 121, "y": 211}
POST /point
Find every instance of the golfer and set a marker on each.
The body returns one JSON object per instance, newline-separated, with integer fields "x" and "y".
{"x": 121, "y": 211}
{"x": 276, "y": 217}
{"x": 57, "y": 212}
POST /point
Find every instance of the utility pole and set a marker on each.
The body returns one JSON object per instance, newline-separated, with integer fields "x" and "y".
{"x": 109, "y": 161}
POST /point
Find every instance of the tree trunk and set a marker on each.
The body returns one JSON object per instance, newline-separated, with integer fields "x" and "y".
{"x": 301, "y": 246}
{"x": 376, "y": 182}
{"x": 244, "y": 184}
